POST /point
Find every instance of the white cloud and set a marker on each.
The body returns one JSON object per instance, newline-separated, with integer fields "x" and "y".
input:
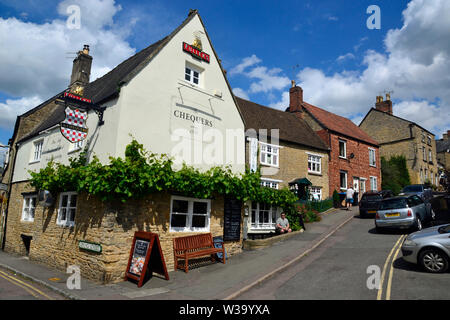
{"x": 34, "y": 64}
{"x": 246, "y": 62}
{"x": 345, "y": 57}
{"x": 240, "y": 93}
{"x": 415, "y": 66}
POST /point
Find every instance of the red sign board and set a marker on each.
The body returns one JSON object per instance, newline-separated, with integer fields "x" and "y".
{"x": 195, "y": 52}
{"x": 75, "y": 97}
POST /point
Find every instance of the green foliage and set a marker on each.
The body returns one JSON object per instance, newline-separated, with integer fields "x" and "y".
{"x": 142, "y": 173}
{"x": 336, "y": 199}
{"x": 394, "y": 174}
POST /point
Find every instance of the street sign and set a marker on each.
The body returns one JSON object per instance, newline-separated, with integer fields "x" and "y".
{"x": 90, "y": 246}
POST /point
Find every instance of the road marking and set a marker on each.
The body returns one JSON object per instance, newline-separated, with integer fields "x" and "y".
{"x": 391, "y": 272}
{"x": 22, "y": 284}
{"x": 383, "y": 274}
{"x": 19, "y": 285}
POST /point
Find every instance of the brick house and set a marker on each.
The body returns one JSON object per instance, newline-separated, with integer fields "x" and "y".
{"x": 398, "y": 136}
{"x": 354, "y": 156}
{"x": 286, "y": 149}
{"x": 167, "y": 86}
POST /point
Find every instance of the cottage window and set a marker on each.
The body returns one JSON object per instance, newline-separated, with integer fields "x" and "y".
{"x": 192, "y": 75}
{"x": 269, "y": 154}
{"x": 29, "y": 207}
{"x": 189, "y": 214}
{"x": 343, "y": 180}
{"x": 315, "y": 193}
{"x": 372, "y": 158}
{"x": 37, "y": 152}
{"x": 314, "y": 164}
{"x": 274, "y": 184}
{"x": 264, "y": 216}
{"x": 342, "y": 149}
{"x": 373, "y": 183}
{"x": 67, "y": 208}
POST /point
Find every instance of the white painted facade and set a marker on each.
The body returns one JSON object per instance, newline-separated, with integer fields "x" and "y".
{"x": 149, "y": 108}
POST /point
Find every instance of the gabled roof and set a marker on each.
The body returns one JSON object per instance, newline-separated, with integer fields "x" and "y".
{"x": 291, "y": 128}
{"x": 391, "y": 115}
{"x": 338, "y": 124}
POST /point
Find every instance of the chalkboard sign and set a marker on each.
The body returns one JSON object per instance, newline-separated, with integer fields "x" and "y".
{"x": 145, "y": 255}
{"x": 232, "y": 220}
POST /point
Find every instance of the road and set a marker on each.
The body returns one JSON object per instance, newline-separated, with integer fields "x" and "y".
{"x": 14, "y": 287}
{"x": 345, "y": 263}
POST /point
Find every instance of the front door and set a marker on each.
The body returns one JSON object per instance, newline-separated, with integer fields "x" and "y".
{"x": 362, "y": 187}
{"x": 356, "y": 188}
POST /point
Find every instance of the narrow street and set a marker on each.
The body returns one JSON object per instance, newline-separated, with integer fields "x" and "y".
{"x": 338, "y": 269}
{"x": 13, "y": 287}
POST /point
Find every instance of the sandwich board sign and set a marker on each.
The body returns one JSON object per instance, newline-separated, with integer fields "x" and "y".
{"x": 146, "y": 256}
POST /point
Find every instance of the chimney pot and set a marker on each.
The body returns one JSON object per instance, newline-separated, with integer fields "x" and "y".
{"x": 295, "y": 98}
{"x": 385, "y": 106}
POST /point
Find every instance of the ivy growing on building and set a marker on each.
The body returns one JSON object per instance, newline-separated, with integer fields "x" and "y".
{"x": 142, "y": 173}
{"x": 394, "y": 174}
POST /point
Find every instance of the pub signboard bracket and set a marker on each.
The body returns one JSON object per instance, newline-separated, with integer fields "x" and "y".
{"x": 68, "y": 99}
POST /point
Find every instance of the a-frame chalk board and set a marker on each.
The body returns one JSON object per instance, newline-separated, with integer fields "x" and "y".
{"x": 145, "y": 255}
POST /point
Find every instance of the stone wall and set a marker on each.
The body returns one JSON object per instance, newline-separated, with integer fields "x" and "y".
{"x": 112, "y": 224}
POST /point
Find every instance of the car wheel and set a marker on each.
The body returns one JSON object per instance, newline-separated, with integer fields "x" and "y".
{"x": 418, "y": 224}
{"x": 433, "y": 260}
{"x": 433, "y": 215}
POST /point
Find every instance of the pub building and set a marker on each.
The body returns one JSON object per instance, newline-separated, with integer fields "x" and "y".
{"x": 175, "y": 85}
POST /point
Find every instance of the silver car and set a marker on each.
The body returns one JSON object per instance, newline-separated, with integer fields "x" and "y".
{"x": 403, "y": 212}
{"x": 430, "y": 248}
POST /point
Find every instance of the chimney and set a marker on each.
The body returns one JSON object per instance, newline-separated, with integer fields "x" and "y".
{"x": 295, "y": 98}
{"x": 81, "y": 71}
{"x": 446, "y": 135}
{"x": 385, "y": 106}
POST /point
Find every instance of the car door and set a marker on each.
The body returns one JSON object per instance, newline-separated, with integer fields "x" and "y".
{"x": 420, "y": 207}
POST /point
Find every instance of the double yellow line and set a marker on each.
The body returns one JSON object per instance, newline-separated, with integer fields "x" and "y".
{"x": 394, "y": 252}
{"x": 27, "y": 287}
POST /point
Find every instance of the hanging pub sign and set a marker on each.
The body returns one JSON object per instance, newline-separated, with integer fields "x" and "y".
{"x": 145, "y": 255}
{"x": 196, "y": 53}
{"x": 75, "y": 97}
{"x": 73, "y": 127}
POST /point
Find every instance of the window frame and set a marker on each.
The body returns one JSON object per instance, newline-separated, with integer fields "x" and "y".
{"x": 277, "y": 154}
{"x": 189, "y": 215}
{"x": 74, "y": 147}
{"x": 371, "y": 180}
{"x": 345, "y": 149}
{"x": 39, "y": 142}
{"x": 374, "y": 164}
{"x": 66, "y": 222}
{"x": 319, "y": 193}
{"x": 193, "y": 68}
{"x": 26, "y": 217}
{"x": 265, "y": 182}
{"x": 317, "y": 163}
{"x": 263, "y": 226}
{"x": 346, "y": 180}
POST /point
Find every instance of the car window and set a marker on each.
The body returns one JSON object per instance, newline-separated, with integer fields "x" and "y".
{"x": 444, "y": 229}
{"x": 371, "y": 197}
{"x": 412, "y": 189}
{"x": 417, "y": 200}
{"x": 393, "y": 204}
{"x": 411, "y": 202}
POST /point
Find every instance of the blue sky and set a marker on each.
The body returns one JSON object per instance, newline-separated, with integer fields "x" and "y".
{"x": 324, "y": 45}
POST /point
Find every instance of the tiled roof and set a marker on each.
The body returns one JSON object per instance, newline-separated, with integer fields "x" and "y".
{"x": 442, "y": 145}
{"x": 291, "y": 128}
{"x": 338, "y": 124}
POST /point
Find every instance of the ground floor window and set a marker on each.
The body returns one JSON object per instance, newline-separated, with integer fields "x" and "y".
{"x": 315, "y": 193}
{"x": 274, "y": 184}
{"x": 264, "y": 216}
{"x": 67, "y": 208}
{"x": 189, "y": 214}
{"x": 29, "y": 207}
{"x": 343, "y": 180}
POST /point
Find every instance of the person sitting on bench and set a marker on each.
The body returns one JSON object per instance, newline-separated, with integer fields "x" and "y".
{"x": 282, "y": 225}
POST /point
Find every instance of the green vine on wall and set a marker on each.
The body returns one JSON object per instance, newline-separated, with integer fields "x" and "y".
{"x": 142, "y": 173}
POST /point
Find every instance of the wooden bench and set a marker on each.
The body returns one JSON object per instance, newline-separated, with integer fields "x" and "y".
{"x": 195, "y": 246}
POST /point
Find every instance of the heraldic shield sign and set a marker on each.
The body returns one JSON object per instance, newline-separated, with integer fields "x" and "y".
{"x": 74, "y": 128}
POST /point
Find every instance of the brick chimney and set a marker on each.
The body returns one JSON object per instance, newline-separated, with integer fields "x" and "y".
{"x": 295, "y": 98}
{"x": 385, "y": 106}
{"x": 81, "y": 71}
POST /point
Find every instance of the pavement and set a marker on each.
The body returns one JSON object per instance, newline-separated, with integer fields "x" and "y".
{"x": 210, "y": 281}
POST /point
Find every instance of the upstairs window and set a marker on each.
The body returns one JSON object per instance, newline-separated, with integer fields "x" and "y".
{"x": 372, "y": 158}
{"x": 424, "y": 154}
{"x": 269, "y": 154}
{"x": 342, "y": 149}
{"x": 192, "y": 74}
{"x": 314, "y": 164}
{"x": 430, "y": 156}
{"x": 37, "y": 151}
{"x": 429, "y": 140}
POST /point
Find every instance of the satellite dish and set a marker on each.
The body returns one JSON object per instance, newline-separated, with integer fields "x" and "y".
{"x": 352, "y": 156}
{"x": 45, "y": 198}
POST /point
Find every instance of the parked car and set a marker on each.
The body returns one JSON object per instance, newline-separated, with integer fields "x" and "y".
{"x": 429, "y": 248}
{"x": 403, "y": 212}
{"x": 370, "y": 201}
{"x": 421, "y": 190}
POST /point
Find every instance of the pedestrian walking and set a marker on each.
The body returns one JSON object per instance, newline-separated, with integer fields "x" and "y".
{"x": 349, "y": 197}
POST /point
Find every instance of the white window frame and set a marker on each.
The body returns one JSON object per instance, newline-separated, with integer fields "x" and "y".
{"x": 271, "y": 183}
{"x": 77, "y": 146}
{"x": 66, "y": 222}
{"x": 345, "y": 149}
{"x": 424, "y": 153}
{"x": 190, "y": 214}
{"x": 256, "y": 225}
{"x": 372, "y": 157}
{"x": 316, "y": 161}
{"x": 372, "y": 181}
{"x": 271, "y": 153}
{"x": 192, "y": 68}
{"x": 27, "y": 207}
{"x": 38, "y": 146}
{"x": 346, "y": 180}
{"x": 315, "y": 190}
{"x": 430, "y": 155}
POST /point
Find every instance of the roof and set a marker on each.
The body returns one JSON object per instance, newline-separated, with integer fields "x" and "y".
{"x": 442, "y": 145}
{"x": 291, "y": 128}
{"x": 338, "y": 124}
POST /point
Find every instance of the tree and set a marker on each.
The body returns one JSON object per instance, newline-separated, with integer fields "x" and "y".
{"x": 394, "y": 173}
